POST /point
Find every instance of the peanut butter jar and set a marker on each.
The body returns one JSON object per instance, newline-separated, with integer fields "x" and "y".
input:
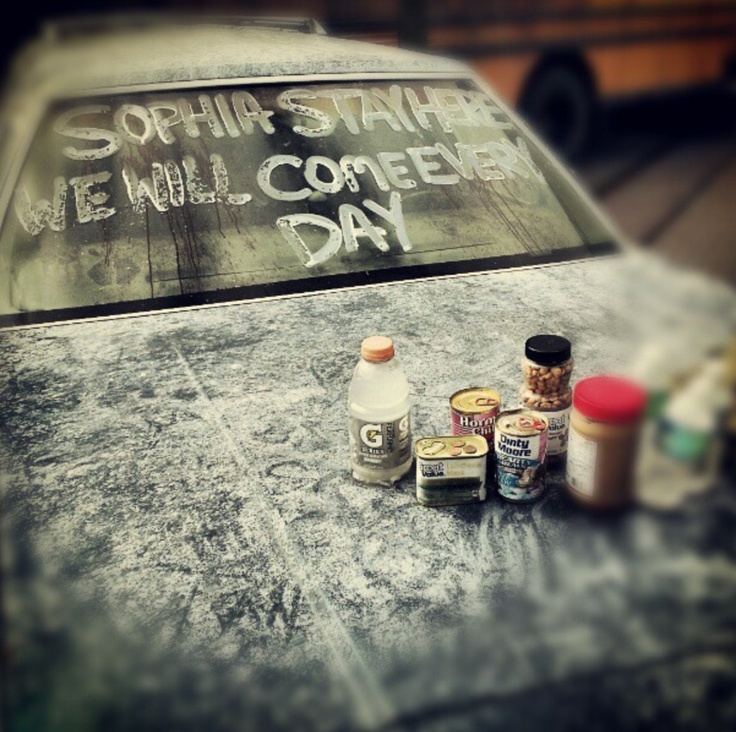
{"x": 604, "y": 435}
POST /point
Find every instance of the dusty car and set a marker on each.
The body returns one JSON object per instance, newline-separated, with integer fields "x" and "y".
{"x": 200, "y": 223}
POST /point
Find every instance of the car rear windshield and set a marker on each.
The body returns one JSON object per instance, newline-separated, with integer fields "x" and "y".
{"x": 158, "y": 199}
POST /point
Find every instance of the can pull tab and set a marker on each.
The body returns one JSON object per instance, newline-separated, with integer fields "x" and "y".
{"x": 435, "y": 448}
{"x": 485, "y": 402}
{"x": 530, "y": 423}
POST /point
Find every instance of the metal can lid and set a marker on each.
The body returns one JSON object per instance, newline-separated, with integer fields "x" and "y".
{"x": 521, "y": 422}
{"x": 377, "y": 349}
{"x": 475, "y": 400}
{"x": 548, "y": 350}
{"x": 450, "y": 446}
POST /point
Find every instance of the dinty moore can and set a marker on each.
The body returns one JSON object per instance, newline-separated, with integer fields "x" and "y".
{"x": 521, "y": 449}
{"x": 473, "y": 412}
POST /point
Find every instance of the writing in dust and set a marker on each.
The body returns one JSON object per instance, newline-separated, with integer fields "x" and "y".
{"x": 153, "y": 154}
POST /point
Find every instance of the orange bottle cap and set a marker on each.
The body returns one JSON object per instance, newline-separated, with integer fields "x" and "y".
{"x": 377, "y": 349}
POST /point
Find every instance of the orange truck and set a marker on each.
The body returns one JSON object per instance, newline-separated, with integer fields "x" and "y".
{"x": 556, "y": 59}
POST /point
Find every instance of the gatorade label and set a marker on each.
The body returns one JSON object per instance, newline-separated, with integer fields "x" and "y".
{"x": 380, "y": 445}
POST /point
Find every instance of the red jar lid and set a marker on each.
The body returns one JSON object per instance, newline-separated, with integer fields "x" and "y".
{"x": 609, "y": 399}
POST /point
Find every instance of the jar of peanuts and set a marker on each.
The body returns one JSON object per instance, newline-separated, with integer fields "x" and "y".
{"x": 547, "y": 367}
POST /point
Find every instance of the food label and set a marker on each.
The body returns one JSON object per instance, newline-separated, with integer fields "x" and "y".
{"x": 520, "y": 469}
{"x": 689, "y": 447}
{"x": 429, "y": 471}
{"x": 474, "y": 424}
{"x": 558, "y": 431}
{"x": 380, "y": 445}
{"x": 581, "y": 456}
{"x": 521, "y": 448}
{"x": 474, "y": 411}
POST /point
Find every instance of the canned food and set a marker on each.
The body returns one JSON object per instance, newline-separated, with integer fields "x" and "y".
{"x": 451, "y": 470}
{"x": 473, "y": 412}
{"x": 521, "y": 447}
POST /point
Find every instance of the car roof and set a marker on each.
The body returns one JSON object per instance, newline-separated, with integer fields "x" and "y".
{"x": 170, "y": 53}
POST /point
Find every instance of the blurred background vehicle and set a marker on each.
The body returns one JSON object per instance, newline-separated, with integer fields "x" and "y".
{"x": 557, "y": 60}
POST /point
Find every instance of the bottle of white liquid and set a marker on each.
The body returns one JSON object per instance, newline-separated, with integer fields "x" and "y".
{"x": 378, "y": 405}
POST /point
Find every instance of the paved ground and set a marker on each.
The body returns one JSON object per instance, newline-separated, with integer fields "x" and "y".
{"x": 665, "y": 171}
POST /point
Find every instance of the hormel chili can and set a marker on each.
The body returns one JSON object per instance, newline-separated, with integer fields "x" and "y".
{"x": 521, "y": 448}
{"x": 474, "y": 411}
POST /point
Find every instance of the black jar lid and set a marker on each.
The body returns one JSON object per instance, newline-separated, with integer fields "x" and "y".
{"x": 548, "y": 350}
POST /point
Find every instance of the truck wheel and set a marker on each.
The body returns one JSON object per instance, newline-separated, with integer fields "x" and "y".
{"x": 560, "y": 104}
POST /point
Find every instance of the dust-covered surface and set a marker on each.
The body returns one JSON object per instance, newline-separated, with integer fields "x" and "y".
{"x": 160, "y": 55}
{"x": 184, "y": 548}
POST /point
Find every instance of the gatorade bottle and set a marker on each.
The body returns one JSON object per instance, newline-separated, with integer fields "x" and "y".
{"x": 378, "y": 404}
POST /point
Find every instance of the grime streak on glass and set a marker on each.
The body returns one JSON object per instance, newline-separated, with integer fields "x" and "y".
{"x": 531, "y": 244}
{"x": 148, "y": 251}
{"x": 206, "y": 156}
{"x": 169, "y": 216}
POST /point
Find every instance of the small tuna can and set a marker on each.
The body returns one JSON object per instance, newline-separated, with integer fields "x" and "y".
{"x": 473, "y": 412}
{"x": 521, "y": 447}
{"x": 451, "y": 470}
